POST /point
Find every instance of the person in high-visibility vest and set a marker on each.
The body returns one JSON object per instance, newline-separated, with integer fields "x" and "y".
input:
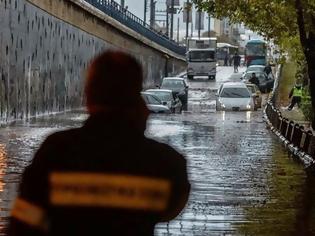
{"x": 296, "y": 95}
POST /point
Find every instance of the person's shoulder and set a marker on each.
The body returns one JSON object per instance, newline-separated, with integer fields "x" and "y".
{"x": 60, "y": 138}
{"x": 63, "y": 134}
{"x": 162, "y": 148}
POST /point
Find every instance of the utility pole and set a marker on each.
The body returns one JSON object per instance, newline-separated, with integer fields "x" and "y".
{"x": 167, "y": 23}
{"x": 187, "y": 18}
{"x": 152, "y": 13}
{"x": 209, "y": 27}
{"x": 199, "y": 25}
{"x": 145, "y": 11}
{"x": 172, "y": 19}
{"x": 122, "y": 3}
{"x": 192, "y": 29}
{"x": 178, "y": 30}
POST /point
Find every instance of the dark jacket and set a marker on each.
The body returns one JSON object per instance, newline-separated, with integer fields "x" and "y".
{"x": 236, "y": 60}
{"x": 254, "y": 80}
{"x": 105, "y": 178}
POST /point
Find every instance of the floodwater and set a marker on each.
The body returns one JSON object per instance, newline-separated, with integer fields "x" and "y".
{"x": 243, "y": 181}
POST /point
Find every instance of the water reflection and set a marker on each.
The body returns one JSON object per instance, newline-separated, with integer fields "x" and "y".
{"x": 3, "y": 166}
{"x": 287, "y": 204}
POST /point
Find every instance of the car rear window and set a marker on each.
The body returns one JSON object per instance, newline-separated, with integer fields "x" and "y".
{"x": 172, "y": 84}
{"x": 163, "y": 96}
{"x": 234, "y": 93}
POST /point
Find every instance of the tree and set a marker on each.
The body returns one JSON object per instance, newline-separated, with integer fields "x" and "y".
{"x": 291, "y": 23}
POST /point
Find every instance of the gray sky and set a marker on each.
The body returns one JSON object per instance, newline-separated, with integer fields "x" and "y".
{"x": 137, "y": 8}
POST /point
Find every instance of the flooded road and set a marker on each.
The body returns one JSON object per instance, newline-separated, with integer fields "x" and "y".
{"x": 243, "y": 182}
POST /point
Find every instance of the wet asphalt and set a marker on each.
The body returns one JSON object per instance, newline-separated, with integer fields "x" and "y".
{"x": 243, "y": 180}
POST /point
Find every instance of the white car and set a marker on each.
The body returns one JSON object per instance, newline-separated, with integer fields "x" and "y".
{"x": 168, "y": 98}
{"x": 234, "y": 96}
{"x": 255, "y": 68}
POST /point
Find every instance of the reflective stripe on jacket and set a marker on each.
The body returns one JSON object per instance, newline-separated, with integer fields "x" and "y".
{"x": 297, "y": 92}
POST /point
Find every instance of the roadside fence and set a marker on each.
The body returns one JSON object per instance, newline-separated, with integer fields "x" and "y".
{"x": 125, "y": 17}
{"x": 300, "y": 141}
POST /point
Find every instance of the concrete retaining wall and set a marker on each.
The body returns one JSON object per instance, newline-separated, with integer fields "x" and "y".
{"x": 45, "y": 48}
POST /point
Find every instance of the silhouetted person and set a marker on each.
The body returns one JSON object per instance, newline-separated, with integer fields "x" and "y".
{"x": 268, "y": 69}
{"x": 236, "y": 61}
{"x": 226, "y": 59}
{"x": 253, "y": 79}
{"x": 230, "y": 60}
{"x": 296, "y": 95}
{"x": 106, "y": 177}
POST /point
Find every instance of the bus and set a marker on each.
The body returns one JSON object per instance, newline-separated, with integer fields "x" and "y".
{"x": 201, "y": 57}
{"x": 256, "y": 52}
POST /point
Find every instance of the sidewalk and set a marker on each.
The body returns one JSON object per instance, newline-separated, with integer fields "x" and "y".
{"x": 286, "y": 83}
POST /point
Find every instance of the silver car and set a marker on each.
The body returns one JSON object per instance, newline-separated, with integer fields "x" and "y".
{"x": 168, "y": 99}
{"x": 234, "y": 96}
{"x": 154, "y": 104}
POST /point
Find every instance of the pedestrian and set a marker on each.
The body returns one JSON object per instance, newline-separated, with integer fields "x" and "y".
{"x": 268, "y": 69}
{"x": 226, "y": 58}
{"x": 253, "y": 79}
{"x": 236, "y": 62}
{"x": 106, "y": 177}
{"x": 295, "y": 95}
{"x": 231, "y": 60}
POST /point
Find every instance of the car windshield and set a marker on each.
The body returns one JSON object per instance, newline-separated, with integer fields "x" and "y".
{"x": 255, "y": 49}
{"x": 163, "y": 96}
{"x": 149, "y": 99}
{"x": 261, "y": 76}
{"x": 235, "y": 93}
{"x": 172, "y": 83}
{"x": 202, "y": 56}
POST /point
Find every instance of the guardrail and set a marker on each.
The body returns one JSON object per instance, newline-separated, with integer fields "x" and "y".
{"x": 116, "y": 11}
{"x": 294, "y": 135}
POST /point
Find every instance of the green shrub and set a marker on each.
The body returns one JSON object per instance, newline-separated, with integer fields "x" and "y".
{"x": 306, "y": 105}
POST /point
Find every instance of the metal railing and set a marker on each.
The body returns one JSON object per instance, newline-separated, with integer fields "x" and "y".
{"x": 292, "y": 132}
{"x": 116, "y": 11}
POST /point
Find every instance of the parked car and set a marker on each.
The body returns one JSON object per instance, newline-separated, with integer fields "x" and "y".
{"x": 265, "y": 82}
{"x": 168, "y": 98}
{"x": 234, "y": 96}
{"x": 154, "y": 104}
{"x": 256, "y": 94}
{"x": 179, "y": 88}
{"x": 255, "y": 68}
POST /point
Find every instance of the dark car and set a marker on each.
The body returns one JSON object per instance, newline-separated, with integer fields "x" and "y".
{"x": 178, "y": 87}
{"x": 154, "y": 104}
{"x": 265, "y": 82}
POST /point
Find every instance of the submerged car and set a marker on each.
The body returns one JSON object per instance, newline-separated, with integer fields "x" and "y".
{"x": 255, "y": 68}
{"x": 234, "y": 96}
{"x": 265, "y": 82}
{"x": 178, "y": 87}
{"x": 168, "y": 98}
{"x": 154, "y": 104}
{"x": 256, "y": 94}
